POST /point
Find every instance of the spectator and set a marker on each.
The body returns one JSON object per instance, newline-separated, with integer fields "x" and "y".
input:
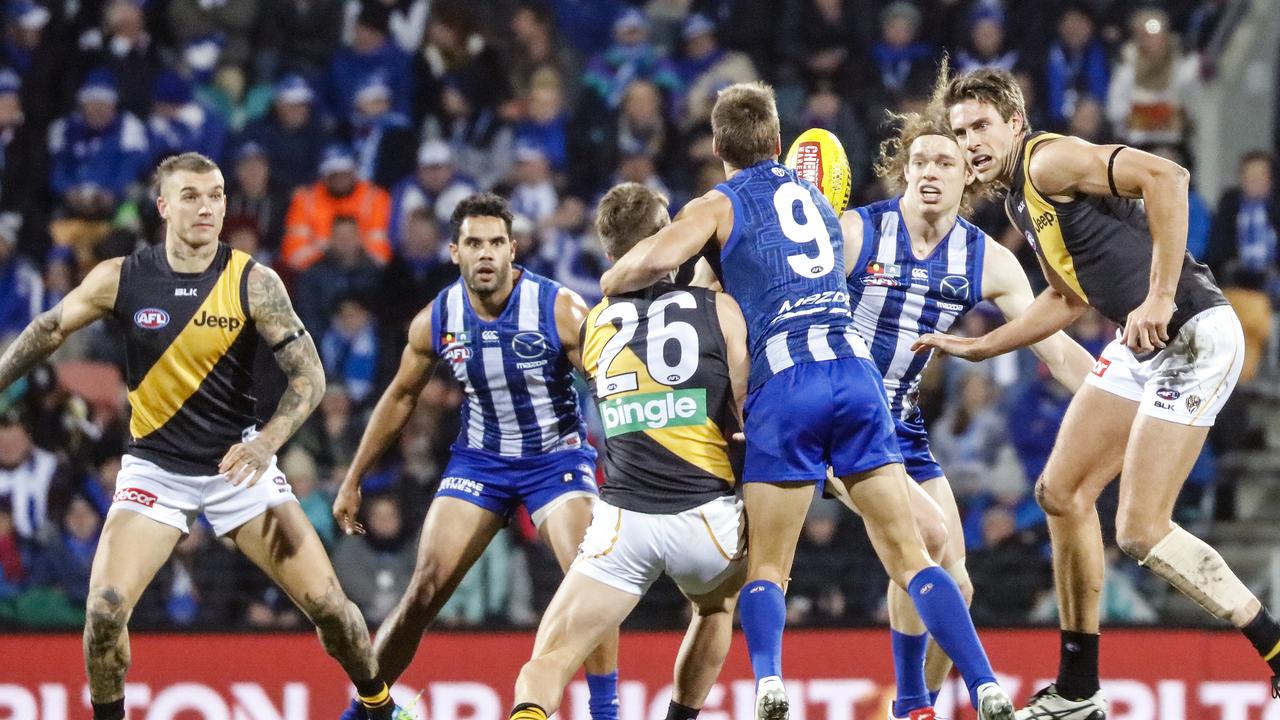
{"x": 1153, "y": 94}
{"x": 232, "y": 20}
{"x": 292, "y": 136}
{"x": 99, "y": 486}
{"x": 66, "y": 561}
{"x": 825, "y": 41}
{"x": 13, "y": 565}
{"x": 752, "y": 27}
{"x": 969, "y": 439}
{"x": 568, "y": 251}
{"x": 253, "y": 200}
{"x": 641, "y": 129}
{"x": 179, "y": 124}
{"x": 986, "y": 47}
{"x": 1007, "y": 570}
{"x": 436, "y": 186}
{"x": 304, "y": 476}
{"x": 1034, "y": 416}
{"x": 826, "y": 577}
{"x": 406, "y": 20}
{"x": 1199, "y": 216}
{"x": 331, "y": 435}
{"x": 122, "y": 46}
{"x": 191, "y": 590}
{"x": 534, "y": 194}
{"x": 35, "y": 55}
{"x": 586, "y": 23}
{"x": 371, "y": 52}
{"x": 375, "y": 567}
{"x": 458, "y": 66}
{"x": 314, "y": 32}
{"x": 546, "y": 122}
{"x": 536, "y": 50}
{"x": 24, "y": 163}
{"x": 21, "y": 286}
{"x": 903, "y": 64}
{"x": 97, "y": 150}
{"x": 59, "y": 274}
{"x": 350, "y": 349}
{"x": 1243, "y": 253}
{"x": 30, "y": 478}
{"x": 346, "y": 269}
{"x": 705, "y": 69}
{"x": 383, "y": 141}
{"x": 631, "y": 57}
{"x": 416, "y": 274}
{"x": 1089, "y": 122}
{"x": 1076, "y": 67}
{"x": 312, "y": 211}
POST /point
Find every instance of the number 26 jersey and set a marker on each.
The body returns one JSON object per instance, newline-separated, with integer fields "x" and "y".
{"x": 658, "y": 368}
{"x": 784, "y": 264}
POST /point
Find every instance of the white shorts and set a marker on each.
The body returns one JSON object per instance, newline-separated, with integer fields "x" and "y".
{"x": 1189, "y": 380}
{"x": 176, "y": 500}
{"x": 699, "y": 548}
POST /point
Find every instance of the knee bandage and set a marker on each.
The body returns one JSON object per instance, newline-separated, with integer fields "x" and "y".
{"x": 1199, "y": 572}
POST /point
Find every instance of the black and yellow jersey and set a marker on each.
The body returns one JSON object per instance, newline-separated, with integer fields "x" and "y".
{"x": 189, "y": 344}
{"x": 659, "y": 371}
{"x": 1101, "y": 246}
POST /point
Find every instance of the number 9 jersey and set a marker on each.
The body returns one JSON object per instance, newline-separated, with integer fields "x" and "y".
{"x": 784, "y": 264}
{"x": 659, "y": 370}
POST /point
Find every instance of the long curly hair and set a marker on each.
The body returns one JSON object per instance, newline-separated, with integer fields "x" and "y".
{"x": 891, "y": 164}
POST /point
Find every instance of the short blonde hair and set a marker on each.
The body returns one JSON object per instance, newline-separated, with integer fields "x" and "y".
{"x": 744, "y": 124}
{"x": 629, "y": 213}
{"x": 188, "y": 161}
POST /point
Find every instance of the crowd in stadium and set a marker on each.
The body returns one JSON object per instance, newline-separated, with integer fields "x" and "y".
{"x": 349, "y": 129}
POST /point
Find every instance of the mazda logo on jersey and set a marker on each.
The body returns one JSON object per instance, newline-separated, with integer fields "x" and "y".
{"x": 530, "y": 345}
{"x": 151, "y": 318}
{"x": 955, "y": 287}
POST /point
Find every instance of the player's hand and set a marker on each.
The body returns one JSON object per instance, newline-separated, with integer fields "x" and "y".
{"x": 346, "y": 507}
{"x": 246, "y": 461}
{"x": 962, "y": 347}
{"x": 1147, "y": 327}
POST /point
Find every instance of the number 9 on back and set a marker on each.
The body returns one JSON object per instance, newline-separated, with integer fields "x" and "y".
{"x": 817, "y": 156}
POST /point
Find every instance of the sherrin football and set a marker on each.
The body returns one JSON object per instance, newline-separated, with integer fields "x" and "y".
{"x": 818, "y": 156}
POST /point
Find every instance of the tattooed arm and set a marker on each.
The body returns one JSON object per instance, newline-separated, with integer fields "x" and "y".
{"x": 295, "y": 351}
{"x": 93, "y": 299}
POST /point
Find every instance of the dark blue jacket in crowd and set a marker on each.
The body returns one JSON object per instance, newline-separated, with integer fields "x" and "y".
{"x": 294, "y": 154}
{"x": 110, "y": 158}
{"x": 1066, "y": 77}
{"x": 349, "y": 70}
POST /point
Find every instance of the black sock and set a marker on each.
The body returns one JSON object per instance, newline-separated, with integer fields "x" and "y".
{"x": 1078, "y": 665}
{"x": 375, "y": 697}
{"x": 113, "y": 710}
{"x": 1264, "y": 632}
{"x": 676, "y": 711}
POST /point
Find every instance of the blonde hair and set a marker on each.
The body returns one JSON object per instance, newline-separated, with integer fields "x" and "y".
{"x": 997, "y": 87}
{"x": 188, "y": 161}
{"x": 891, "y": 165}
{"x": 744, "y": 124}
{"x": 629, "y": 213}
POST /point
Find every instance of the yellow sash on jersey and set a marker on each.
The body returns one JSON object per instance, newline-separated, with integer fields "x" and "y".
{"x": 1046, "y": 224}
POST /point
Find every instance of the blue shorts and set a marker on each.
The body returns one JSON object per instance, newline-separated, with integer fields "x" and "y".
{"x": 913, "y": 441}
{"x": 817, "y": 415}
{"x": 500, "y": 484}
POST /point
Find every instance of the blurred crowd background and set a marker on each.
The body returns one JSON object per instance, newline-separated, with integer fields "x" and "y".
{"x": 349, "y": 129}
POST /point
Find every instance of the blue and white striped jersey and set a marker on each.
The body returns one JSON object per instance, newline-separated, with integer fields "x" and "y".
{"x": 898, "y": 297}
{"x": 784, "y": 264}
{"x": 518, "y": 383}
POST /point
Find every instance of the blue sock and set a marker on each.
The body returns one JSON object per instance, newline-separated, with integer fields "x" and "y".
{"x": 762, "y": 609}
{"x": 908, "y": 668}
{"x": 604, "y": 696}
{"x": 942, "y": 608}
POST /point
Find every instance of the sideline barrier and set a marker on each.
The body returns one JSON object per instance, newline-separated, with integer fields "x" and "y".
{"x": 833, "y": 675}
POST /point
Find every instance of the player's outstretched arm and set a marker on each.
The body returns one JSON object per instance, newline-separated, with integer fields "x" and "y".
{"x": 571, "y": 313}
{"x": 734, "y": 327}
{"x": 388, "y": 418}
{"x": 1071, "y": 166}
{"x": 295, "y": 353}
{"x": 1005, "y": 284}
{"x": 91, "y": 300}
{"x": 666, "y": 250}
{"x": 851, "y": 228}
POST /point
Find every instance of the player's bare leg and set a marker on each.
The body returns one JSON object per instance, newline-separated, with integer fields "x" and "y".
{"x": 563, "y": 530}
{"x": 583, "y": 613}
{"x": 283, "y": 543}
{"x": 1157, "y": 463}
{"x": 706, "y": 644}
{"x": 880, "y": 495}
{"x": 1087, "y": 455}
{"x": 454, "y": 535}
{"x": 132, "y": 549}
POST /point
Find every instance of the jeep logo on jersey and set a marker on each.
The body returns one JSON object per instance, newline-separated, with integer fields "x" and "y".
{"x": 654, "y": 411}
{"x": 217, "y": 321}
{"x": 135, "y": 495}
{"x": 530, "y": 345}
{"x": 151, "y": 318}
{"x": 955, "y": 287}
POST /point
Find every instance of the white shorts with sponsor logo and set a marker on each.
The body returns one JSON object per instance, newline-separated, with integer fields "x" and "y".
{"x": 1189, "y": 380}
{"x": 176, "y": 499}
{"x": 699, "y": 548}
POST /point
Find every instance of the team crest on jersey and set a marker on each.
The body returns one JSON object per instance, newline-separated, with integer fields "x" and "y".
{"x": 151, "y": 318}
{"x": 955, "y": 288}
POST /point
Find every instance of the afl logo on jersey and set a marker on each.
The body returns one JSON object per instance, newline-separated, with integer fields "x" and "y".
{"x": 955, "y": 287}
{"x": 530, "y": 345}
{"x": 151, "y": 318}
